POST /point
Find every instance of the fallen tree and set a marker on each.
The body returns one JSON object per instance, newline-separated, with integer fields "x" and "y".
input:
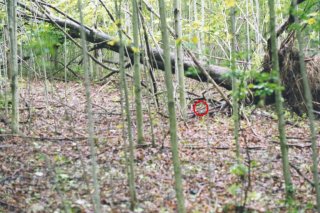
{"x": 290, "y": 69}
{"x": 103, "y": 40}
{"x": 291, "y": 76}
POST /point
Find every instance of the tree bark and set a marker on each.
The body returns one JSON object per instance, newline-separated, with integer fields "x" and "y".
{"x": 137, "y": 74}
{"x": 308, "y": 101}
{"x": 12, "y": 15}
{"x": 179, "y": 52}
{"x": 126, "y": 105}
{"x": 7, "y": 52}
{"x": 172, "y": 111}
{"x": 279, "y": 105}
{"x": 235, "y": 84}
{"x": 90, "y": 122}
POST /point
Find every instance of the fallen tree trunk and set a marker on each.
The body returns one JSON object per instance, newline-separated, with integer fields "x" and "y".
{"x": 103, "y": 40}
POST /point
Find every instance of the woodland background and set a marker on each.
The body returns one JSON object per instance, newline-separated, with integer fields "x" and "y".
{"x": 96, "y": 106}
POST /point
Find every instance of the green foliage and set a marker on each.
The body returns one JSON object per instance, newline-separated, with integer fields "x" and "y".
{"x": 191, "y": 72}
{"x": 254, "y": 163}
{"x": 264, "y": 85}
{"x": 292, "y": 205}
{"x": 310, "y": 21}
{"x": 239, "y": 170}
{"x": 309, "y": 206}
{"x": 292, "y": 117}
{"x": 40, "y": 157}
{"x": 41, "y": 39}
{"x": 3, "y": 16}
{"x": 254, "y": 195}
{"x": 243, "y": 77}
{"x": 60, "y": 159}
{"x": 3, "y": 101}
{"x": 64, "y": 181}
{"x": 234, "y": 189}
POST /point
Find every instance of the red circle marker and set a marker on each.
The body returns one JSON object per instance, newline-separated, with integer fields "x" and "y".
{"x": 195, "y": 106}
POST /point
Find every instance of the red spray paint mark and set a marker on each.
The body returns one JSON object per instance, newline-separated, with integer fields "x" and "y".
{"x": 203, "y": 102}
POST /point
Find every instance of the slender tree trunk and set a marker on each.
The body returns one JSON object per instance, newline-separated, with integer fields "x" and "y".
{"x": 179, "y": 51}
{"x": 131, "y": 173}
{"x": 12, "y": 15}
{"x": 97, "y": 70}
{"x": 235, "y": 85}
{"x": 171, "y": 108}
{"x": 197, "y": 33}
{"x": 279, "y": 104}
{"x": 55, "y": 58}
{"x": 185, "y": 9}
{"x": 8, "y": 50}
{"x": 248, "y": 43}
{"x": 6, "y": 64}
{"x": 137, "y": 75}
{"x": 257, "y": 24}
{"x": 20, "y": 52}
{"x": 44, "y": 67}
{"x": 202, "y": 35}
{"x": 151, "y": 81}
{"x": 308, "y": 100}
{"x": 96, "y": 192}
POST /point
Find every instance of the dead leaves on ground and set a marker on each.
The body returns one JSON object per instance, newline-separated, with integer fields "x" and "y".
{"x": 43, "y": 176}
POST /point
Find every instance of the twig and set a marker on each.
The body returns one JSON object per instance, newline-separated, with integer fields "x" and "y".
{"x": 43, "y": 138}
{"x": 224, "y": 148}
{"x": 302, "y": 175}
{"x": 295, "y": 145}
{"x": 112, "y": 18}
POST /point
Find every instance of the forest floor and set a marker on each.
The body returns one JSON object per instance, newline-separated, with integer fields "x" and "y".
{"x": 51, "y": 165}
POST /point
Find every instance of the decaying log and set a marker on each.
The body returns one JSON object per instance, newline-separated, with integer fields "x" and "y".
{"x": 103, "y": 40}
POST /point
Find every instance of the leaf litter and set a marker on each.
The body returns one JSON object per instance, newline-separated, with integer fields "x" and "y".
{"x": 51, "y": 166}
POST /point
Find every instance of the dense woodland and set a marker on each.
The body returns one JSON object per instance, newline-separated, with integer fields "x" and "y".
{"x": 159, "y": 106}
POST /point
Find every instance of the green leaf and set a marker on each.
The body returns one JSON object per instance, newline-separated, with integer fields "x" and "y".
{"x": 178, "y": 41}
{"x": 234, "y": 189}
{"x": 254, "y": 195}
{"x": 239, "y": 170}
{"x": 191, "y": 72}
